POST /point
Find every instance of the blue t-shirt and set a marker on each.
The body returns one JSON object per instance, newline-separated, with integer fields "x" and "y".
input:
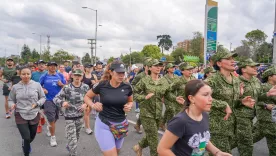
{"x": 49, "y": 82}
{"x": 133, "y": 74}
{"x": 68, "y": 69}
{"x": 177, "y": 72}
{"x": 36, "y": 75}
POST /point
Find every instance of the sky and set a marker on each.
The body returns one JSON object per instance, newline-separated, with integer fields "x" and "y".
{"x": 124, "y": 23}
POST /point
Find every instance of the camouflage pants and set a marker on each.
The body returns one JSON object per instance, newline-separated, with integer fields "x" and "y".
{"x": 169, "y": 113}
{"x": 224, "y": 143}
{"x": 72, "y": 132}
{"x": 244, "y": 128}
{"x": 150, "y": 126}
{"x": 266, "y": 129}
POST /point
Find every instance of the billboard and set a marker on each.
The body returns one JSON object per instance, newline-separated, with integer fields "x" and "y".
{"x": 211, "y": 22}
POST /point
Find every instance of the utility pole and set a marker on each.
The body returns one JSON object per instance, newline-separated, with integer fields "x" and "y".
{"x": 91, "y": 42}
{"x": 40, "y": 46}
{"x": 274, "y": 38}
{"x": 130, "y": 56}
{"x": 48, "y": 43}
{"x": 96, "y": 36}
{"x": 230, "y": 46}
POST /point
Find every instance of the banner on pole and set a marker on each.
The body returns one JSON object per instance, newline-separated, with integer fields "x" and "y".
{"x": 211, "y": 22}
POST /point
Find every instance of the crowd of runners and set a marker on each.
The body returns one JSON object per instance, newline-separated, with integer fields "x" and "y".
{"x": 208, "y": 111}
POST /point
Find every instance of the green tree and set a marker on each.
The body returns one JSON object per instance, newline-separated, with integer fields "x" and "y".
{"x": 169, "y": 58}
{"x": 165, "y": 42}
{"x": 46, "y": 56}
{"x": 111, "y": 59}
{"x": 26, "y": 53}
{"x": 35, "y": 55}
{"x": 243, "y": 51}
{"x": 2, "y": 61}
{"x": 221, "y": 48}
{"x": 178, "y": 55}
{"x": 86, "y": 59}
{"x": 196, "y": 45}
{"x": 135, "y": 57}
{"x": 62, "y": 55}
{"x": 152, "y": 51}
{"x": 255, "y": 38}
{"x": 264, "y": 53}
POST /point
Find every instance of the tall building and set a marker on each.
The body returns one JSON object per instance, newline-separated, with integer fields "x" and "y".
{"x": 186, "y": 44}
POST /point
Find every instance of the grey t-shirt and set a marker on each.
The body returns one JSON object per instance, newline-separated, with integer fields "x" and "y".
{"x": 193, "y": 135}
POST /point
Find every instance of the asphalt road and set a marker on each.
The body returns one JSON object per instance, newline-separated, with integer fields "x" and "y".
{"x": 10, "y": 144}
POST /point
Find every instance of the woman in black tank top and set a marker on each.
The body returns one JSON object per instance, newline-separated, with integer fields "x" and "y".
{"x": 88, "y": 79}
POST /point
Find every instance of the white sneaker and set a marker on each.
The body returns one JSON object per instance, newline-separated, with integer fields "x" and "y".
{"x": 53, "y": 141}
{"x": 48, "y": 132}
{"x": 88, "y": 131}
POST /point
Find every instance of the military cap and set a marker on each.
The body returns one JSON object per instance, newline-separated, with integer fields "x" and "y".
{"x": 247, "y": 62}
{"x": 185, "y": 66}
{"x": 269, "y": 72}
{"x": 209, "y": 70}
{"x": 77, "y": 72}
{"x": 169, "y": 65}
{"x": 154, "y": 62}
{"x": 9, "y": 59}
{"x": 223, "y": 55}
{"x": 147, "y": 61}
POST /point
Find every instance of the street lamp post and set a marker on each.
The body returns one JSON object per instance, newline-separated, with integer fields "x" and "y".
{"x": 95, "y": 30}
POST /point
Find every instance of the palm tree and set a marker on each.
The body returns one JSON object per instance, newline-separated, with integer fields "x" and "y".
{"x": 165, "y": 42}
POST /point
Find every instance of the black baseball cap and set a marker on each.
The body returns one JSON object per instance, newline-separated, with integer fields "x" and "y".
{"x": 88, "y": 65}
{"x": 99, "y": 62}
{"x": 52, "y": 63}
{"x": 118, "y": 67}
{"x": 40, "y": 61}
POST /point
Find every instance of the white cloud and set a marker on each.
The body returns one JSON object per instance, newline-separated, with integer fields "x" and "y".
{"x": 125, "y": 24}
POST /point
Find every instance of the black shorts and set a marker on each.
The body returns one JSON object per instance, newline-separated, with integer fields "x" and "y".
{"x": 6, "y": 90}
{"x": 51, "y": 111}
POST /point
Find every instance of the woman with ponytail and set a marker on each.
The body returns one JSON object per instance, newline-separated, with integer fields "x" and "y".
{"x": 188, "y": 132}
{"x": 111, "y": 125}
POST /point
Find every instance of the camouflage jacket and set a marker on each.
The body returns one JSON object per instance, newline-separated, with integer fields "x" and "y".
{"x": 137, "y": 78}
{"x": 179, "y": 85}
{"x": 152, "y": 108}
{"x": 171, "y": 81}
{"x": 262, "y": 113}
{"x": 251, "y": 88}
{"x": 223, "y": 93}
{"x": 74, "y": 96}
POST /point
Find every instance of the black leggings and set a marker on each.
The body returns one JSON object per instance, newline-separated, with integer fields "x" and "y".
{"x": 28, "y": 133}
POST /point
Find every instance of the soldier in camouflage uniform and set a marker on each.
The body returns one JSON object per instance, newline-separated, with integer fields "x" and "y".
{"x": 245, "y": 113}
{"x": 171, "y": 78}
{"x": 226, "y": 94}
{"x": 265, "y": 127}
{"x": 71, "y": 98}
{"x": 208, "y": 72}
{"x": 179, "y": 86}
{"x": 136, "y": 79}
{"x": 149, "y": 92}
